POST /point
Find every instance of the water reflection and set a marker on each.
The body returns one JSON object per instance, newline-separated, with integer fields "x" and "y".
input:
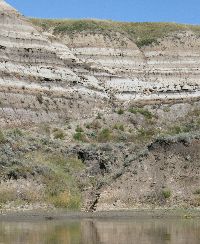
{"x": 102, "y": 232}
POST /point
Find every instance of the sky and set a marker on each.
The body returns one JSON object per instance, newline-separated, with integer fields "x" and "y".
{"x": 180, "y": 11}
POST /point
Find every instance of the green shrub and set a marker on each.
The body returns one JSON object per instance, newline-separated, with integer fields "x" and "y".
{"x": 79, "y": 129}
{"x": 166, "y": 109}
{"x": 145, "y": 134}
{"x": 87, "y": 126}
{"x": 121, "y": 127}
{"x": 195, "y": 112}
{"x": 17, "y": 132}
{"x": 178, "y": 129}
{"x": 2, "y": 137}
{"x": 59, "y": 134}
{"x": 166, "y": 194}
{"x": 120, "y": 111}
{"x": 146, "y": 42}
{"x": 99, "y": 116}
{"x": 105, "y": 135}
{"x": 133, "y": 110}
{"x": 175, "y": 130}
{"x": 146, "y": 113}
{"x": 94, "y": 125}
{"x": 79, "y": 136}
{"x": 118, "y": 127}
{"x": 92, "y": 134}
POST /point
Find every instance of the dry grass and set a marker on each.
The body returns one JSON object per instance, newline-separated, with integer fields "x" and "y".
{"x": 61, "y": 185}
{"x": 21, "y": 190}
{"x": 143, "y": 34}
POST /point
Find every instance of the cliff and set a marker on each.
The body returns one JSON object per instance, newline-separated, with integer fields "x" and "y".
{"x": 37, "y": 82}
{"x": 148, "y": 60}
{"x": 98, "y": 115}
{"x": 75, "y": 69}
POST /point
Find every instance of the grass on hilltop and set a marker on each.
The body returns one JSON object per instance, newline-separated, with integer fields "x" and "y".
{"x": 143, "y": 34}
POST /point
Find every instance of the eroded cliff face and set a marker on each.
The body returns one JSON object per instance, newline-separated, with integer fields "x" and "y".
{"x": 97, "y": 96}
{"x": 37, "y": 83}
{"x": 167, "y": 166}
{"x": 49, "y": 75}
{"x": 165, "y": 68}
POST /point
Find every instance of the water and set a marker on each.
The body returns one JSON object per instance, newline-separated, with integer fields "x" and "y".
{"x": 112, "y": 231}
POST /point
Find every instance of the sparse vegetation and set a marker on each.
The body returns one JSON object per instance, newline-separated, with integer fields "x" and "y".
{"x": 146, "y": 113}
{"x": 79, "y": 136}
{"x": 145, "y": 134}
{"x": 59, "y": 134}
{"x": 118, "y": 127}
{"x": 61, "y": 185}
{"x": 120, "y": 111}
{"x": 166, "y": 109}
{"x": 166, "y": 193}
{"x": 95, "y": 125}
{"x": 99, "y": 116}
{"x": 146, "y": 42}
{"x": 182, "y": 128}
{"x": 79, "y": 129}
{"x": 197, "y": 192}
{"x": 143, "y": 34}
{"x": 65, "y": 200}
{"x": 2, "y": 137}
{"x": 110, "y": 147}
{"x": 7, "y": 195}
{"x": 17, "y": 132}
{"x": 104, "y": 135}
{"x": 195, "y": 112}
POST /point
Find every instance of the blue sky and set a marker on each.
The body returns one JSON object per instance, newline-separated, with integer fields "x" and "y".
{"x": 182, "y": 11}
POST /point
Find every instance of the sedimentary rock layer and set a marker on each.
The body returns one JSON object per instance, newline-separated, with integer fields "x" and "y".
{"x": 36, "y": 82}
{"x": 50, "y": 75}
{"x": 167, "y": 68}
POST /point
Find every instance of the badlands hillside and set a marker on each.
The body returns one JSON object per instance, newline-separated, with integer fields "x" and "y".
{"x": 98, "y": 115}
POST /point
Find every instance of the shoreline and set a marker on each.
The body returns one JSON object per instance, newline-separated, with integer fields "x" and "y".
{"x": 59, "y": 214}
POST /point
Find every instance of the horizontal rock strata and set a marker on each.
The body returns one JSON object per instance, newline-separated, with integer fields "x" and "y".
{"x": 45, "y": 77}
{"x": 36, "y": 82}
{"x": 166, "y": 69}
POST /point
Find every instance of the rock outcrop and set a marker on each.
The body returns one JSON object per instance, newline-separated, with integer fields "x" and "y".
{"x": 37, "y": 83}
{"x": 48, "y": 76}
{"x": 167, "y": 68}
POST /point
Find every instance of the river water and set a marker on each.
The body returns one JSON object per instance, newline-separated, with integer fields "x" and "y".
{"x": 101, "y": 231}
